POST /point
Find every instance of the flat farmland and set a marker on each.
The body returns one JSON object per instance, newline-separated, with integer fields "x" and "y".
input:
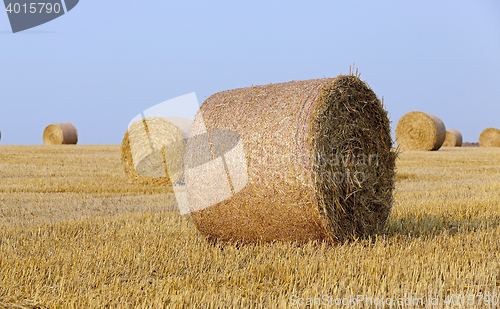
{"x": 75, "y": 233}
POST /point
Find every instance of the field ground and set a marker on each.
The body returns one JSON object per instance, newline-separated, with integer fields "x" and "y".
{"x": 75, "y": 234}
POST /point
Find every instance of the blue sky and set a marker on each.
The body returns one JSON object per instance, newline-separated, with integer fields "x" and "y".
{"x": 104, "y": 62}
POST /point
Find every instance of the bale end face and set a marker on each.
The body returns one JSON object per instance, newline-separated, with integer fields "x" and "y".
{"x": 353, "y": 161}
{"x": 490, "y": 138}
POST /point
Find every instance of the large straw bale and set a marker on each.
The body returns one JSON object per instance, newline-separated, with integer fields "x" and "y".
{"x": 420, "y": 131}
{"x": 60, "y": 134}
{"x": 490, "y": 138}
{"x": 316, "y": 155}
{"x": 153, "y": 150}
{"x": 453, "y": 138}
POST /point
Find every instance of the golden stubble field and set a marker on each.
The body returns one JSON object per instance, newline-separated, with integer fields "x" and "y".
{"x": 74, "y": 233}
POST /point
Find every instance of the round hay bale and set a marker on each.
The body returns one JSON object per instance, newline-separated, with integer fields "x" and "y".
{"x": 60, "y": 134}
{"x": 153, "y": 150}
{"x": 490, "y": 138}
{"x": 453, "y": 138}
{"x": 420, "y": 131}
{"x": 303, "y": 160}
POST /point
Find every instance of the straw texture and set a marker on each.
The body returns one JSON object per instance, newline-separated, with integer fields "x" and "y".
{"x": 420, "y": 131}
{"x": 317, "y": 154}
{"x": 490, "y": 138}
{"x": 153, "y": 150}
{"x": 60, "y": 134}
{"x": 453, "y": 138}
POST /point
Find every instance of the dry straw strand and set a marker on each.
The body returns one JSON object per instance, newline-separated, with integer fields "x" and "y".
{"x": 453, "y": 138}
{"x": 490, "y": 138}
{"x": 153, "y": 150}
{"x": 319, "y": 162}
{"x": 420, "y": 131}
{"x": 60, "y": 134}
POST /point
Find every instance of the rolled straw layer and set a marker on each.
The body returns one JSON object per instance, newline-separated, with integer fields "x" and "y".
{"x": 316, "y": 158}
{"x": 453, "y": 138}
{"x": 60, "y": 134}
{"x": 420, "y": 131}
{"x": 490, "y": 138}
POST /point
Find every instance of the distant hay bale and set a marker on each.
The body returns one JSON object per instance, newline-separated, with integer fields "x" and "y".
{"x": 420, "y": 131}
{"x": 315, "y": 162}
{"x": 129, "y": 168}
{"x": 453, "y": 138}
{"x": 153, "y": 150}
{"x": 60, "y": 134}
{"x": 490, "y": 138}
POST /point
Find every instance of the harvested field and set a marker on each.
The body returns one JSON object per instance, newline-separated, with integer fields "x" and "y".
{"x": 74, "y": 233}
